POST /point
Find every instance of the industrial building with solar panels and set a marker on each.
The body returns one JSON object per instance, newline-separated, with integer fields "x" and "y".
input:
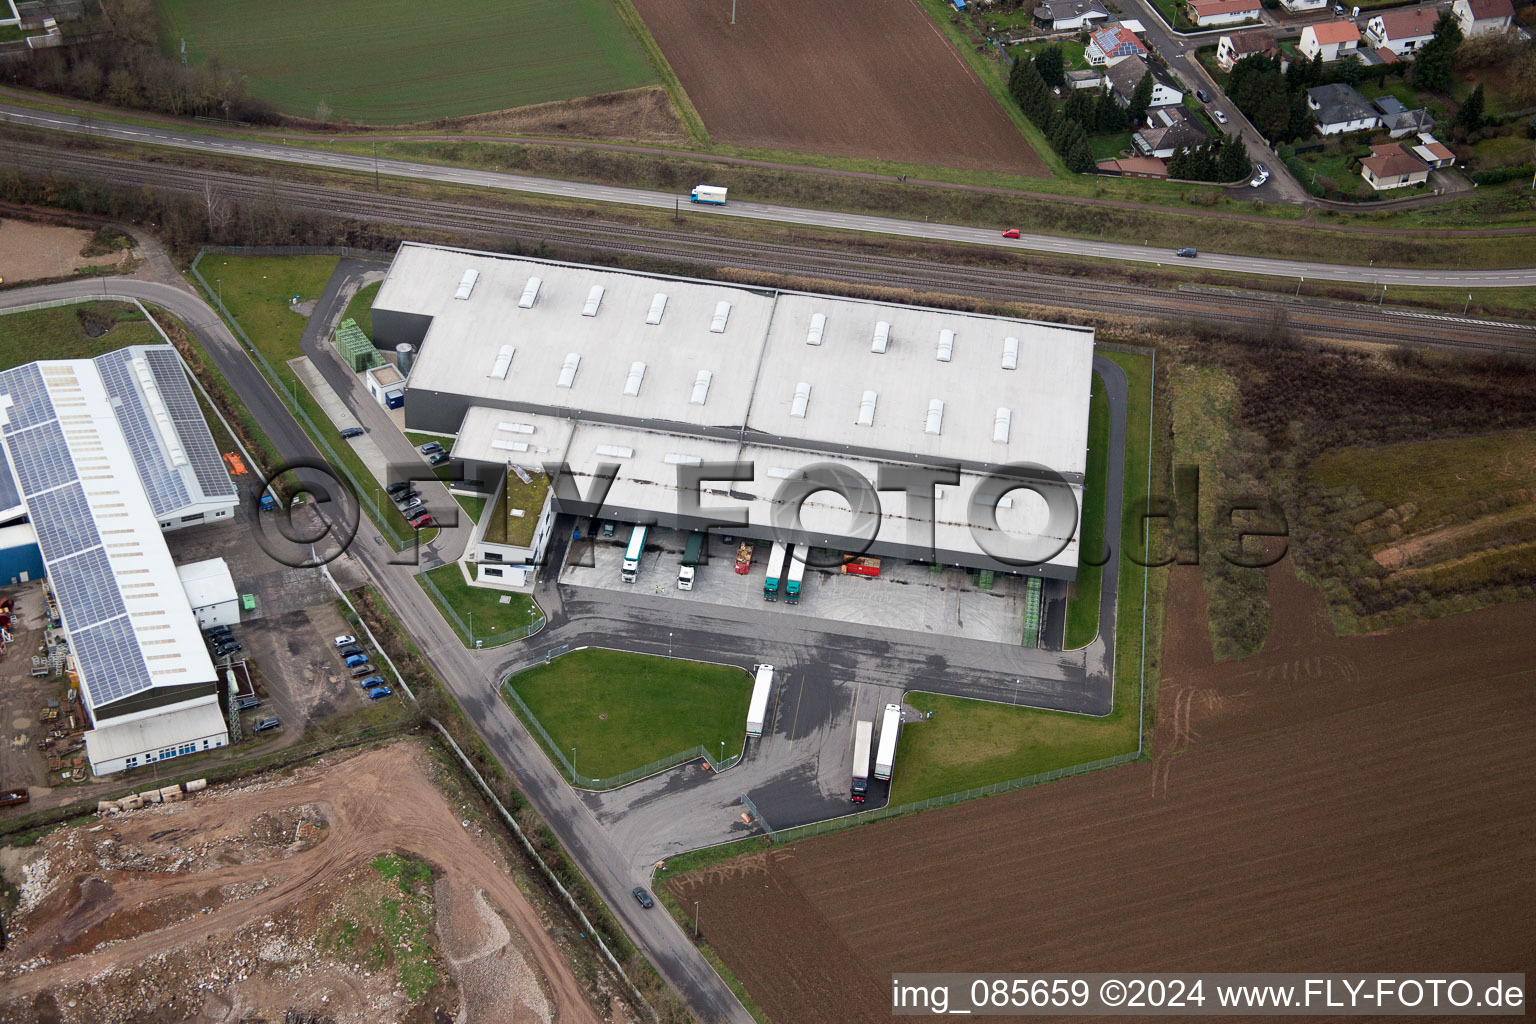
{"x": 101, "y": 456}
{"x": 533, "y": 362}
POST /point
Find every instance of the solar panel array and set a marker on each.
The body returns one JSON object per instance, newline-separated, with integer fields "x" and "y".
{"x": 10, "y": 494}
{"x": 101, "y": 634}
{"x": 212, "y": 476}
{"x": 162, "y": 482}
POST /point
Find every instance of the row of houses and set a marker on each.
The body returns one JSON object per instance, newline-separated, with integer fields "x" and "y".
{"x": 1341, "y": 110}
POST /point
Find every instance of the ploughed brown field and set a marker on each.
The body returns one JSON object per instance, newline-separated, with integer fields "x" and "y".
{"x": 871, "y": 78}
{"x": 1358, "y": 804}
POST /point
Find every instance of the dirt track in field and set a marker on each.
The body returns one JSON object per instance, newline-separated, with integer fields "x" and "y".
{"x": 870, "y": 78}
{"x": 120, "y": 906}
{"x": 1361, "y": 804}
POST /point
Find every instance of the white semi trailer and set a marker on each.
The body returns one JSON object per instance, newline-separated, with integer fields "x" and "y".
{"x": 890, "y": 727}
{"x": 631, "y": 567}
{"x": 863, "y": 733}
{"x": 762, "y": 689}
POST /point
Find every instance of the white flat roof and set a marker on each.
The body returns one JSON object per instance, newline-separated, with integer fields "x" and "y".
{"x": 156, "y": 732}
{"x": 207, "y": 583}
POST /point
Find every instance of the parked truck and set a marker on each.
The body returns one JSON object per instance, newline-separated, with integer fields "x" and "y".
{"x": 775, "y": 570}
{"x": 762, "y": 689}
{"x": 744, "y": 558}
{"x": 691, "y": 556}
{"x": 632, "y": 554}
{"x": 863, "y": 732}
{"x": 793, "y": 580}
{"x": 707, "y": 194}
{"x": 262, "y": 495}
{"x": 890, "y": 726}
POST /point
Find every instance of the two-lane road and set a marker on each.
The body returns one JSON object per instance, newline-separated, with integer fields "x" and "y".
{"x": 1512, "y": 278}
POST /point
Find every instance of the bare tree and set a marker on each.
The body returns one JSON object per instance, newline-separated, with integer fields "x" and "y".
{"x": 219, "y": 210}
{"x": 323, "y": 112}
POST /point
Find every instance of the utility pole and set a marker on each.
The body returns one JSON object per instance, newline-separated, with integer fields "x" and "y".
{"x": 669, "y": 646}
{"x": 1468, "y": 305}
{"x": 733, "y": 12}
{"x": 1298, "y": 287}
{"x": 375, "y": 166}
{"x": 573, "y": 766}
{"x": 695, "y": 920}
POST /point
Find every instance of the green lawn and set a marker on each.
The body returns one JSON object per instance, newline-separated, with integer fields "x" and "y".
{"x": 621, "y": 711}
{"x": 59, "y": 333}
{"x": 1074, "y": 53}
{"x": 1502, "y": 151}
{"x": 472, "y": 506}
{"x": 360, "y": 308}
{"x": 974, "y": 743}
{"x": 392, "y": 62}
{"x": 1108, "y": 147}
{"x": 480, "y": 608}
{"x": 1083, "y": 604}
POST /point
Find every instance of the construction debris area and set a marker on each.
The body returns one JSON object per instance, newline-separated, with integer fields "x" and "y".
{"x": 353, "y": 889}
{"x": 43, "y": 721}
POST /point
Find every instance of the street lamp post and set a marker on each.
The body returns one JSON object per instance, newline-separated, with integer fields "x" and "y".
{"x": 573, "y": 766}
{"x": 695, "y": 919}
{"x": 669, "y": 646}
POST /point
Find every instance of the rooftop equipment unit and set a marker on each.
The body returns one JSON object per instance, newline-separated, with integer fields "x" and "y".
{"x": 701, "y": 387}
{"x": 405, "y": 358}
{"x": 867, "y": 409}
{"x": 1010, "y": 353}
{"x": 516, "y": 428}
{"x": 1001, "y": 424}
{"x": 674, "y": 459}
{"x": 467, "y": 284}
{"x": 946, "y": 345}
{"x": 658, "y": 307}
{"x": 616, "y": 451}
{"x": 568, "y": 370}
{"x": 935, "y": 416}
{"x": 503, "y": 362}
{"x": 818, "y": 325}
{"x": 636, "y": 375}
{"x": 530, "y": 293}
{"x": 882, "y": 337}
{"x": 722, "y": 314}
{"x": 780, "y": 473}
{"x": 509, "y": 446}
{"x": 802, "y": 399}
{"x": 594, "y": 299}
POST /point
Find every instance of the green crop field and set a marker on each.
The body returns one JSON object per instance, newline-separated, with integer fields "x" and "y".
{"x": 390, "y": 62}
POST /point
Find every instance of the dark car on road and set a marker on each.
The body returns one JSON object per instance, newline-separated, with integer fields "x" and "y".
{"x": 266, "y": 723}
{"x": 1188, "y": 253}
{"x": 1202, "y": 96}
{"x": 352, "y": 432}
{"x": 644, "y": 898}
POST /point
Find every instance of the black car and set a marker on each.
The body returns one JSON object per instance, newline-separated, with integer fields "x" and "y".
{"x": 224, "y": 650}
{"x": 352, "y": 432}
{"x": 1202, "y": 96}
{"x": 265, "y": 724}
{"x": 395, "y": 490}
{"x": 218, "y": 631}
{"x": 347, "y": 652}
{"x": 644, "y": 898}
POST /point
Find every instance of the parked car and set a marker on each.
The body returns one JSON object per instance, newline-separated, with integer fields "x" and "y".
{"x": 1338, "y": 10}
{"x": 218, "y": 631}
{"x": 430, "y": 448}
{"x": 351, "y": 432}
{"x": 366, "y": 668}
{"x": 1261, "y": 175}
{"x": 1219, "y": 116}
{"x": 344, "y": 640}
{"x": 1188, "y": 253}
{"x": 644, "y": 898}
{"x": 403, "y": 487}
{"x": 1202, "y": 96}
{"x": 347, "y": 652}
{"x": 369, "y": 682}
{"x": 264, "y": 724}
{"x": 379, "y": 693}
{"x": 355, "y": 660}
{"x": 1011, "y": 233}
{"x": 413, "y": 503}
{"x": 246, "y": 703}
{"x": 422, "y": 521}
{"x": 608, "y": 527}
{"x": 437, "y": 458}
{"x": 225, "y": 650}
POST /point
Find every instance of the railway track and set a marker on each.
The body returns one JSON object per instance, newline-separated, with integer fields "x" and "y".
{"x": 1312, "y": 318}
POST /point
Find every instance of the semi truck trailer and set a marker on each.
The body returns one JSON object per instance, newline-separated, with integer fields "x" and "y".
{"x": 793, "y": 580}
{"x": 762, "y": 689}
{"x": 775, "y": 570}
{"x": 691, "y": 556}
{"x": 890, "y": 726}
{"x": 863, "y": 732}
{"x": 707, "y": 194}
{"x": 632, "y": 554}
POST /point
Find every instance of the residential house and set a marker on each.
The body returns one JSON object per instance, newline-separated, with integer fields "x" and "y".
{"x": 1070, "y": 15}
{"x": 1233, "y": 48}
{"x": 1224, "y": 12}
{"x": 1125, "y": 76}
{"x": 1402, "y": 31}
{"x": 1433, "y": 152}
{"x": 1339, "y": 109}
{"x": 1393, "y": 165}
{"x": 1113, "y": 44}
{"x": 1169, "y": 129}
{"x": 1304, "y": 6}
{"x": 1085, "y": 78}
{"x": 1483, "y": 17}
{"x": 1135, "y": 167}
{"x": 1399, "y": 120}
{"x": 1333, "y": 39}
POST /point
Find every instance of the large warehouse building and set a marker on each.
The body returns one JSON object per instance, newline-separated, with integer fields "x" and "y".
{"x": 532, "y": 362}
{"x": 103, "y": 455}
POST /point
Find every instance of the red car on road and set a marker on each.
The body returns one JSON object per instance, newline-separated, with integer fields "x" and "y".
{"x": 423, "y": 521}
{"x": 1011, "y": 233}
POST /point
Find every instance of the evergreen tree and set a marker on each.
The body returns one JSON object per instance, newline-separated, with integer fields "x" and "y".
{"x": 1433, "y": 64}
{"x": 1178, "y": 164}
{"x": 1078, "y": 155}
{"x": 1079, "y": 107}
{"x": 1052, "y": 66}
{"x": 1109, "y": 115}
{"x": 1302, "y": 121}
{"x": 1233, "y": 162}
{"x": 1136, "y": 111}
{"x": 1273, "y": 116}
{"x": 1470, "y": 116}
{"x": 1349, "y": 70}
